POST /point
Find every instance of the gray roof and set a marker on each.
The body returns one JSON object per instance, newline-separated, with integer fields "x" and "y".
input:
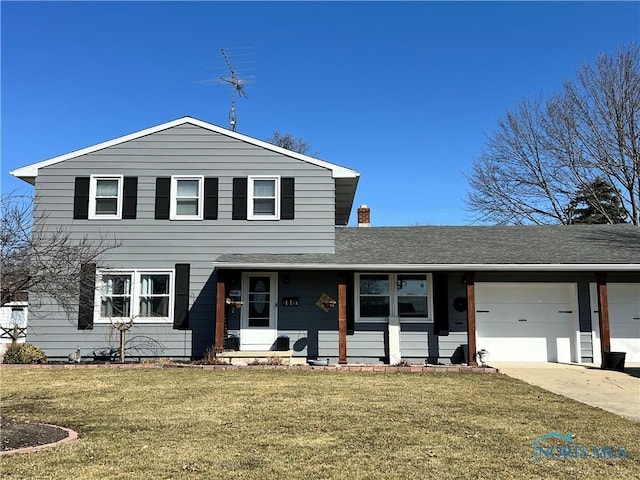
{"x": 545, "y": 247}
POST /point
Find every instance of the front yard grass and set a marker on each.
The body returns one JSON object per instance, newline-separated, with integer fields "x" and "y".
{"x": 266, "y": 424}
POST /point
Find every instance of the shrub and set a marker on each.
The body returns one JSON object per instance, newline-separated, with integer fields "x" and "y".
{"x": 402, "y": 363}
{"x": 24, "y": 353}
{"x": 210, "y": 358}
{"x": 273, "y": 360}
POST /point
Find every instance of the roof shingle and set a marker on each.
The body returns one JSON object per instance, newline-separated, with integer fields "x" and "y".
{"x": 468, "y": 245}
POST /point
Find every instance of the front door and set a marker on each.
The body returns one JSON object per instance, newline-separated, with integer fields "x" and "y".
{"x": 259, "y": 323}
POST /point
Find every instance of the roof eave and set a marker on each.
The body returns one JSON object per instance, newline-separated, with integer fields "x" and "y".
{"x": 31, "y": 171}
{"x": 496, "y": 267}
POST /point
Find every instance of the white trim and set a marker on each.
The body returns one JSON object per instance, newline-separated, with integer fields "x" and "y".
{"x": 173, "y": 206}
{"x": 92, "y": 197}
{"x": 594, "y": 313}
{"x": 31, "y": 171}
{"x": 251, "y": 197}
{"x": 135, "y": 273}
{"x": 439, "y": 267}
{"x": 393, "y": 299}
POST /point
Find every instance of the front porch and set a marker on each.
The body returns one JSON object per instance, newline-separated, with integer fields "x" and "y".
{"x": 317, "y": 311}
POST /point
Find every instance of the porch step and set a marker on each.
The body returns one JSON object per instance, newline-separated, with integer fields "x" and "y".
{"x": 249, "y": 356}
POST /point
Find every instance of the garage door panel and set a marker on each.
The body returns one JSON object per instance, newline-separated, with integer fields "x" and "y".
{"x": 533, "y": 349}
{"x": 528, "y": 293}
{"x": 515, "y": 322}
{"x": 624, "y": 294}
{"x": 628, "y": 345}
{"x": 624, "y": 319}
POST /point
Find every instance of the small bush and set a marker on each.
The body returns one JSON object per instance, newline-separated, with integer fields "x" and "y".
{"x": 210, "y": 358}
{"x": 24, "y": 353}
{"x": 402, "y": 363}
{"x": 273, "y": 360}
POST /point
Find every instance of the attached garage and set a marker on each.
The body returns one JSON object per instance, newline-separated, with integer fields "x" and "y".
{"x": 527, "y": 322}
{"x": 624, "y": 319}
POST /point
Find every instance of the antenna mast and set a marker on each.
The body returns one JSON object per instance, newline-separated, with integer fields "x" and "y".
{"x": 237, "y": 86}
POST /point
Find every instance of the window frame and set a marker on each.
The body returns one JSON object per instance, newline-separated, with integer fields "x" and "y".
{"x": 393, "y": 299}
{"x": 135, "y": 295}
{"x": 173, "y": 202}
{"x": 93, "y": 187}
{"x": 251, "y": 197}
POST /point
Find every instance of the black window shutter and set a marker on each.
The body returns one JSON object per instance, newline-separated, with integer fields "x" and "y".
{"x": 181, "y": 301}
{"x": 351, "y": 321}
{"x": 210, "y": 198}
{"x": 87, "y": 295}
{"x": 441, "y": 304}
{"x": 130, "y": 205}
{"x": 163, "y": 197}
{"x": 287, "y": 198}
{"x": 239, "y": 209}
{"x": 81, "y": 199}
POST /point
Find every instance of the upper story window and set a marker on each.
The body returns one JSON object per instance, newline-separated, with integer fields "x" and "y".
{"x": 381, "y": 295}
{"x": 105, "y": 197}
{"x": 263, "y": 199}
{"x": 186, "y": 197}
{"x": 142, "y": 295}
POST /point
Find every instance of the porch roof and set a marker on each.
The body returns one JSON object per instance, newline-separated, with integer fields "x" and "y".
{"x": 480, "y": 248}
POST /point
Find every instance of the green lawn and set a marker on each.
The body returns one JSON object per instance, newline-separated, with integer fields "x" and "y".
{"x": 266, "y": 424}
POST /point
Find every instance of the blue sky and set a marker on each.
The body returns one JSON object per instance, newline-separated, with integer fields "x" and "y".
{"x": 403, "y": 92}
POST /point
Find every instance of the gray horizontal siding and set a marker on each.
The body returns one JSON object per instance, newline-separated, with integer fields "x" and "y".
{"x": 58, "y": 335}
{"x": 449, "y": 347}
{"x": 51, "y": 329}
{"x": 312, "y": 331}
{"x": 298, "y": 341}
{"x": 414, "y": 345}
{"x": 212, "y": 155}
{"x": 360, "y": 345}
{"x": 149, "y": 243}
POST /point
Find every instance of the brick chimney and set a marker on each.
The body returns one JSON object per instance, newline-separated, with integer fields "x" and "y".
{"x": 364, "y": 216}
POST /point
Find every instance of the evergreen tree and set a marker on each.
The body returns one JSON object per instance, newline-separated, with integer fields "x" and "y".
{"x": 597, "y": 203}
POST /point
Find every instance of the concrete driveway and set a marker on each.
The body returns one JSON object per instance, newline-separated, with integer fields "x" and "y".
{"x": 613, "y": 391}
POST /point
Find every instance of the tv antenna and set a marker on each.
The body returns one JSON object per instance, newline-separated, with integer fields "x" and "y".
{"x": 237, "y": 86}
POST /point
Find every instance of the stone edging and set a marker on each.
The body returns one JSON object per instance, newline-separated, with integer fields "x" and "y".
{"x": 331, "y": 368}
{"x": 71, "y": 435}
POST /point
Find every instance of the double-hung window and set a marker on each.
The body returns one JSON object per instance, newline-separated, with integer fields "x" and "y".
{"x": 154, "y": 295}
{"x": 381, "y": 295}
{"x": 142, "y": 295}
{"x": 374, "y": 296}
{"x": 115, "y": 300}
{"x": 105, "y": 197}
{"x": 186, "y": 197}
{"x": 263, "y": 198}
{"x": 412, "y": 295}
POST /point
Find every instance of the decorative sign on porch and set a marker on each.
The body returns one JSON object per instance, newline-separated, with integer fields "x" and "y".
{"x": 325, "y": 302}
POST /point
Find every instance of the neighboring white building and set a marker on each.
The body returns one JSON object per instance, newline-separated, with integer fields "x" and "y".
{"x": 12, "y": 314}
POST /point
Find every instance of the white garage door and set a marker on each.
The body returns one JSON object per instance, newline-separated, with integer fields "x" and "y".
{"x": 624, "y": 319}
{"x": 527, "y": 322}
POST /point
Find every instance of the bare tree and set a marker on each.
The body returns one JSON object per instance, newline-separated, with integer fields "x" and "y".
{"x": 287, "y": 141}
{"x": 42, "y": 260}
{"x": 545, "y": 153}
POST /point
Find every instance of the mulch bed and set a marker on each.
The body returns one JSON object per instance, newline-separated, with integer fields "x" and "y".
{"x": 14, "y": 435}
